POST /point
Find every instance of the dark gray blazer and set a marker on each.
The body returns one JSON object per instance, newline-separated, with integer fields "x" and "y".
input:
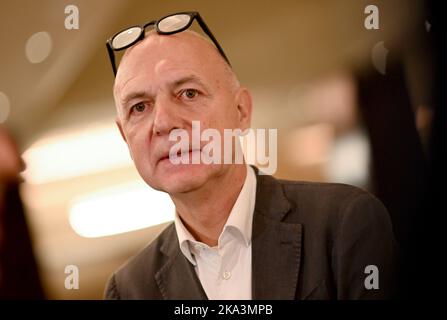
{"x": 309, "y": 241}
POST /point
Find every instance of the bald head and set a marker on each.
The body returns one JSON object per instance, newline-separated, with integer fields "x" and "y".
{"x": 155, "y": 53}
{"x": 190, "y": 37}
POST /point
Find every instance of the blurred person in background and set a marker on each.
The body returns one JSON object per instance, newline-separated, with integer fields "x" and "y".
{"x": 19, "y": 278}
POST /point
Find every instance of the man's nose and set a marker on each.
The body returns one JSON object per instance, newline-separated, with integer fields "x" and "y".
{"x": 166, "y": 117}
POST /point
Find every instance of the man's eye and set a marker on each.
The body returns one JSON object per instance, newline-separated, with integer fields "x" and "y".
{"x": 139, "y": 107}
{"x": 190, "y": 93}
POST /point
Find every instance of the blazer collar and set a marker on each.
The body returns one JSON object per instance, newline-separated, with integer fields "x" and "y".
{"x": 177, "y": 279}
{"x": 270, "y": 198}
{"x": 276, "y": 245}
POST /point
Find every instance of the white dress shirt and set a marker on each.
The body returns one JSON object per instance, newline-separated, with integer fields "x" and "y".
{"x": 225, "y": 270}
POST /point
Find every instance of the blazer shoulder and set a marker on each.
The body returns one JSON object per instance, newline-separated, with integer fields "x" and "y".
{"x": 323, "y": 194}
{"x": 139, "y": 271}
{"x": 332, "y": 203}
{"x": 322, "y": 188}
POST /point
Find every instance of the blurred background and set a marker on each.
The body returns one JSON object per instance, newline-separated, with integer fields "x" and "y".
{"x": 351, "y": 104}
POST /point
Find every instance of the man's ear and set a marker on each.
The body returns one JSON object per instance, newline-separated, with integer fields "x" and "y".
{"x": 244, "y": 107}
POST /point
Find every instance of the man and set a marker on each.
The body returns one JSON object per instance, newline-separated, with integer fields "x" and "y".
{"x": 237, "y": 234}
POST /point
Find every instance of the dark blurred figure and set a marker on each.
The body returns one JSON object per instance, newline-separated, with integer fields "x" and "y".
{"x": 398, "y": 166}
{"x": 409, "y": 181}
{"x": 19, "y": 278}
{"x": 426, "y": 275}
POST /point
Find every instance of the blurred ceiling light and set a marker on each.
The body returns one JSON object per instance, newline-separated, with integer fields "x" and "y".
{"x": 349, "y": 159}
{"x": 120, "y": 209}
{"x": 38, "y": 47}
{"x": 64, "y": 156}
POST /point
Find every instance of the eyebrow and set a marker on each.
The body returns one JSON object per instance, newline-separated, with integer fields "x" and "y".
{"x": 190, "y": 78}
{"x": 177, "y": 83}
{"x": 132, "y": 96}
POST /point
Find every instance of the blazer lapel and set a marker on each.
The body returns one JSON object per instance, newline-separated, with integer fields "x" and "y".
{"x": 177, "y": 279}
{"x": 276, "y": 245}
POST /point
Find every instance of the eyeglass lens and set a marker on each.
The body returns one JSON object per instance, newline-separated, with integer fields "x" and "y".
{"x": 126, "y": 37}
{"x": 174, "y": 23}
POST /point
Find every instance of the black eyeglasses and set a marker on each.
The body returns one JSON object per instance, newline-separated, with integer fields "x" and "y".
{"x": 170, "y": 24}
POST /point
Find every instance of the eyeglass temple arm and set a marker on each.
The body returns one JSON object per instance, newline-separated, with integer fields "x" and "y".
{"x": 112, "y": 57}
{"x": 210, "y": 34}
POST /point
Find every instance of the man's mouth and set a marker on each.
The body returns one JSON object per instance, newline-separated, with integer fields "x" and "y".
{"x": 179, "y": 154}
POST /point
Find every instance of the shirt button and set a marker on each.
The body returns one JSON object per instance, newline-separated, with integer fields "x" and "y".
{"x": 226, "y": 275}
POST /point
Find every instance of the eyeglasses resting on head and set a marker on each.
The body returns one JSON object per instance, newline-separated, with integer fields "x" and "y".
{"x": 167, "y": 25}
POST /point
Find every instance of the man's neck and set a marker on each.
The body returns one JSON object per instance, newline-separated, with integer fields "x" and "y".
{"x": 205, "y": 211}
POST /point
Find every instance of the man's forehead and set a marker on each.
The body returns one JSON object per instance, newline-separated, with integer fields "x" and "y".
{"x": 156, "y": 52}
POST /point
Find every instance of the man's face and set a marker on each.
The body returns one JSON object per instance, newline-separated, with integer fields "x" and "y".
{"x": 165, "y": 83}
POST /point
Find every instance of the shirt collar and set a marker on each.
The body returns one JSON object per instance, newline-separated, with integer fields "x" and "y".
{"x": 184, "y": 237}
{"x": 239, "y": 222}
{"x": 241, "y": 215}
